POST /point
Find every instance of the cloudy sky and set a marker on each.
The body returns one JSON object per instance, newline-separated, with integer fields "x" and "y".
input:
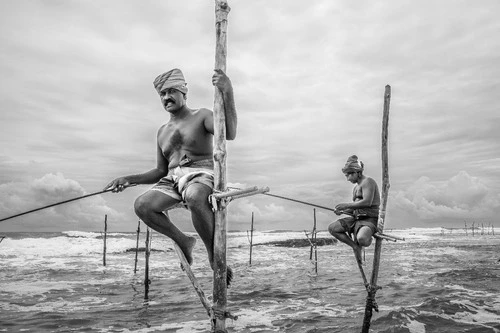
{"x": 78, "y": 106}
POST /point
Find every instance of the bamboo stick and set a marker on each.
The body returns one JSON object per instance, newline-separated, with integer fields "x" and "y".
{"x": 370, "y": 300}
{"x": 234, "y": 192}
{"x": 187, "y": 268}
{"x": 262, "y": 190}
{"x": 388, "y": 237}
{"x": 311, "y": 242}
{"x": 137, "y": 245}
{"x": 315, "y": 237}
{"x": 220, "y": 269}
{"x": 104, "y": 239}
{"x": 147, "y": 252}
{"x": 251, "y": 241}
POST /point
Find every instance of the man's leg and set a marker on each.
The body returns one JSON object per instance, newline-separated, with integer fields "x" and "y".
{"x": 364, "y": 236}
{"x": 338, "y": 230}
{"x": 196, "y": 197}
{"x": 149, "y": 208}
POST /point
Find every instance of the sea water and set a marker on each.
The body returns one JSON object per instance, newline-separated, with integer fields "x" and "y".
{"x": 434, "y": 281}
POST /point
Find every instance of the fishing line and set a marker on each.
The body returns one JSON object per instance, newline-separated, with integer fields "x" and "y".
{"x": 294, "y": 200}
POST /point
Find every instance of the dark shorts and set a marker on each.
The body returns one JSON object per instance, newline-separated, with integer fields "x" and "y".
{"x": 352, "y": 225}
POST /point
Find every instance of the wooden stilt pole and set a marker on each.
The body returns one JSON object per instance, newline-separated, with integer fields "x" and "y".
{"x": 370, "y": 300}
{"x": 104, "y": 239}
{"x": 315, "y": 235}
{"x": 312, "y": 236}
{"x": 251, "y": 241}
{"x": 137, "y": 246}
{"x": 220, "y": 269}
{"x": 147, "y": 251}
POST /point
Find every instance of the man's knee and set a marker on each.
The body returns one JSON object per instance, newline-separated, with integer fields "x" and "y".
{"x": 364, "y": 236}
{"x": 196, "y": 196}
{"x": 365, "y": 241}
{"x": 141, "y": 206}
{"x": 335, "y": 228}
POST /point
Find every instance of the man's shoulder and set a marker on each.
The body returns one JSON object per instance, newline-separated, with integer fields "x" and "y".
{"x": 369, "y": 180}
{"x": 162, "y": 127}
{"x": 203, "y": 112}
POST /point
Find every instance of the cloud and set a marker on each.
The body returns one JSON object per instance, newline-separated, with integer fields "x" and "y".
{"x": 308, "y": 82}
{"x": 462, "y": 196}
{"x": 19, "y": 197}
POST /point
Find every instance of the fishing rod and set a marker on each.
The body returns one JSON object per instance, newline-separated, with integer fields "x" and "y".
{"x": 302, "y": 202}
{"x": 60, "y": 203}
{"x": 295, "y": 200}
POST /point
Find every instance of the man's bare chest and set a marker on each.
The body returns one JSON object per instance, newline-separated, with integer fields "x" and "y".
{"x": 177, "y": 137}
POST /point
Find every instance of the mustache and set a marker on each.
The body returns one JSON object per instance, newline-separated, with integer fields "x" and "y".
{"x": 169, "y": 100}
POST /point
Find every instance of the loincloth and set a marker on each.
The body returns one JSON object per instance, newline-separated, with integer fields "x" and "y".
{"x": 352, "y": 224}
{"x": 181, "y": 177}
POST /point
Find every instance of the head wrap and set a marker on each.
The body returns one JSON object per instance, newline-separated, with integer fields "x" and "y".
{"x": 171, "y": 79}
{"x": 353, "y": 165}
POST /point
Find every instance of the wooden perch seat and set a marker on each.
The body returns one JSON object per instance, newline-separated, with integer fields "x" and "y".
{"x": 227, "y": 196}
{"x": 391, "y": 238}
{"x": 234, "y": 194}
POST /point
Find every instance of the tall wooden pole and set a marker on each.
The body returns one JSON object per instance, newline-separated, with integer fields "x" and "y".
{"x": 370, "y": 300}
{"x": 104, "y": 239}
{"x": 220, "y": 269}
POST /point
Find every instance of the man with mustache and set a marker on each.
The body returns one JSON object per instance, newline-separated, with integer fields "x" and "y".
{"x": 183, "y": 175}
{"x": 357, "y": 229}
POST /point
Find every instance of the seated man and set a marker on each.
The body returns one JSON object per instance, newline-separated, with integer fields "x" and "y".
{"x": 183, "y": 175}
{"x": 357, "y": 229}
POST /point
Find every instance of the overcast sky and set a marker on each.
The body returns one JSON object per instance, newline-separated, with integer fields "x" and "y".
{"x": 78, "y": 106}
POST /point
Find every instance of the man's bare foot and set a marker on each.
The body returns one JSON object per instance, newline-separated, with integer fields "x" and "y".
{"x": 187, "y": 249}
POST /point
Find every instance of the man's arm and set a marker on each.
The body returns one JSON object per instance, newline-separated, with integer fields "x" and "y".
{"x": 221, "y": 81}
{"x": 150, "y": 177}
{"x": 368, "y": 188}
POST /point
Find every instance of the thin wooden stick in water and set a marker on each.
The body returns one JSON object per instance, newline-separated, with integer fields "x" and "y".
{"x": 104, "y": 239}
{"x": 315, "y": 242}
{"x": 147, "y": 282}
{"x": 251, "y": 241}
{"x": 137, "y": 245}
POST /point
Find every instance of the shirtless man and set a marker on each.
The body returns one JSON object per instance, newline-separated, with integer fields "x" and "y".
{"x": 363, "y": 211}
{"x": 183, "y": 175}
